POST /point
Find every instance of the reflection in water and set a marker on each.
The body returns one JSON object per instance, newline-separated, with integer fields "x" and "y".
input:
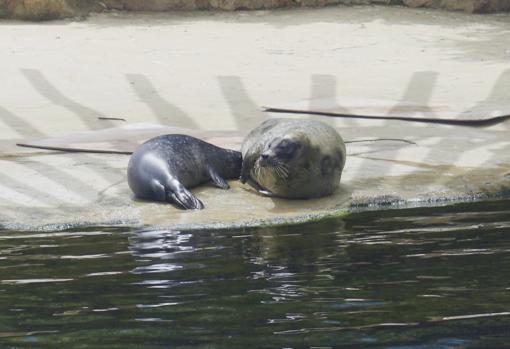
{"x": 420, "y": 278}
{"x": 163, "y": 244}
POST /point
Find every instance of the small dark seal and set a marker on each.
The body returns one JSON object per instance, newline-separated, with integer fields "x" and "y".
{"x": 162, "y": 168}
{"x": 295, "y": 159}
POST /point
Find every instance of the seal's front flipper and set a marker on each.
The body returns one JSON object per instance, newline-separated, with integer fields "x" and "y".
{"x": 217, "y": 179}
{"x": 258, "y": 189}
{"x": 266, "y": 193}
{"x": 183, "y": 197}
{"x": 158, "y": 190}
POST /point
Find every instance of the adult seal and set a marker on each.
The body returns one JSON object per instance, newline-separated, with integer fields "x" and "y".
{"x": 162, "y": 168}
{"x": 295, "y": 159}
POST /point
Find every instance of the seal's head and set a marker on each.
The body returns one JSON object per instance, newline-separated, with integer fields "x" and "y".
{"x": 282, "y": 154}
{"x": 293, "y": 158}
{"x": 281, "y": 163}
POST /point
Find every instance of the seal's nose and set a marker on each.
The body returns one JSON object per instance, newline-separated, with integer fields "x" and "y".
{"x": 264, "y": 158}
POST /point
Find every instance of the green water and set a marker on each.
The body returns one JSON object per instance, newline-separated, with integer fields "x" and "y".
{"x": 420, "y": 278}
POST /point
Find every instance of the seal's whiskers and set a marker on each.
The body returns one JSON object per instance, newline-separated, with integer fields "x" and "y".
{"x": 284, "y": 168}
{"x": 276, "y": 170}
{"x": 281, "y": 170}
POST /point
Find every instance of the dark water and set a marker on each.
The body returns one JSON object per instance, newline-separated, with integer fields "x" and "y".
{"x": 420, "y": 278}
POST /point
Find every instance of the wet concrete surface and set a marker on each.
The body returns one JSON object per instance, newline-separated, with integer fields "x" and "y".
{"x": 212, "y": 73}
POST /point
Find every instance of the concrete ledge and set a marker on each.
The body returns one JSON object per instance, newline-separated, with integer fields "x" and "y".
{"x": 92, "y": 188}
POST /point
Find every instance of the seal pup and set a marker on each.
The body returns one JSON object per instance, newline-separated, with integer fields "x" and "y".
{"x": 295, "y": 159}
{"x": 162, "y": 168}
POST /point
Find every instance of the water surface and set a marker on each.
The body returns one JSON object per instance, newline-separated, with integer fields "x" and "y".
{"x": 399, "y": 279}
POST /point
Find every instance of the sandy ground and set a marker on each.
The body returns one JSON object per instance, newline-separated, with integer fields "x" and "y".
{"x": 213, "y": 71}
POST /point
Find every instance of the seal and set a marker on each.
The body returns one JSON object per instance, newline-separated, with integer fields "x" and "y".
{"x": 295, "y": 159}
{"x": 162, "y": 168}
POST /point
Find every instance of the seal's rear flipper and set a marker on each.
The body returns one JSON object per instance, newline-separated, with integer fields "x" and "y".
{"x": 217, "y": 179}
{"x": 185, "y": 198}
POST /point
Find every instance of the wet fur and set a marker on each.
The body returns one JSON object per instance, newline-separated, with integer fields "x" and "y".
{"x": 164, "y": 167}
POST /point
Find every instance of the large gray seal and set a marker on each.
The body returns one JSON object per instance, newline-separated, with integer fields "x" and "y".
{"x": 296, "y": 159}
{"x": 162, "y": 168}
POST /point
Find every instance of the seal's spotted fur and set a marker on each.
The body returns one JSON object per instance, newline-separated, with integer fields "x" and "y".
{"x": 296, "y": 159}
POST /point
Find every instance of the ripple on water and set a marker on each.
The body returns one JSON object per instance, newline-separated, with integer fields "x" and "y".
{"x": 420, "y": 278}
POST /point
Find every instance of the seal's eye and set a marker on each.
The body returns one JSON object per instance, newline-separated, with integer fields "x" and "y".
{"x": 286, "y": 149}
